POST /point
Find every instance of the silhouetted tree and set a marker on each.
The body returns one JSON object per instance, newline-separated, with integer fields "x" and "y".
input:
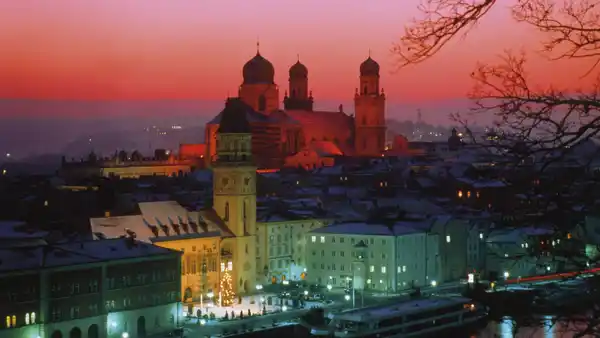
{"x": 544, "y": 132}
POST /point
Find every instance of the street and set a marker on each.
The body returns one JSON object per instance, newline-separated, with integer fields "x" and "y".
{"x": 336, "y": 301}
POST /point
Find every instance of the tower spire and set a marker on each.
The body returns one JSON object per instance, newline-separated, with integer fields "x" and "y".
{"x": 257, "y": 45}
{"x": 298, "y": 57}
{"x": 369, "y": 52}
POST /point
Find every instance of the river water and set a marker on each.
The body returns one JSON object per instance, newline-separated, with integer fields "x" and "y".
{"x": 545, "y": 327}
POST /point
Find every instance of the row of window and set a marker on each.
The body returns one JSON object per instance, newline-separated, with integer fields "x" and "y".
{"x": 11, "y": 321}
{"x": 468, "y": 194}
{"x": 342, "y": 239}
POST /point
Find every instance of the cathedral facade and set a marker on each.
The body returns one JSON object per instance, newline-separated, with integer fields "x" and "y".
{"x": 282, "y": 132}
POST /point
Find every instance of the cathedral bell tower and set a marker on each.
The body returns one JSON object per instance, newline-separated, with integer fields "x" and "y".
{"x": 234, "y": 193}
{"x": 259, "y": 90}
{"x": 369, "y": 103}
{"x": 298, "y": 98}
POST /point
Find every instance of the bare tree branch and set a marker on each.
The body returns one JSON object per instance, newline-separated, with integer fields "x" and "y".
{"x": 572, "y": 27}
{"x": 443, "y": 20}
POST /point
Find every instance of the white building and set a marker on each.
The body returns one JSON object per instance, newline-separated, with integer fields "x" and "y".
{"x": 281, "y": 250}
{"x": 515, "y": 253}
{"x": 397, "y": 257}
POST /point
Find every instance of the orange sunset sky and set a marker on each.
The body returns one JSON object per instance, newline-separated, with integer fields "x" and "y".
{"x": 195, "y": 49}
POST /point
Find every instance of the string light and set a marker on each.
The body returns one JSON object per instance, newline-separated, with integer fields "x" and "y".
{"x": 227, "y": 293}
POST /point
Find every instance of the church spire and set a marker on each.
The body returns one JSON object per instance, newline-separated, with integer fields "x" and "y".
{"x": 257, "y": 45}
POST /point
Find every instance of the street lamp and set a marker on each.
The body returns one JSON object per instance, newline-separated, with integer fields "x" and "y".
{"x": 433, "y": 283}
{"x": 347, "y": 297}
{"x": 329, "y": 287}
{"x": 506, "y": 274}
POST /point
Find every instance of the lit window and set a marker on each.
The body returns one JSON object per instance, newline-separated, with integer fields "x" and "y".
{"x": 322, "y": 239}
{"x": 403, "y": 268}
{"x": 399, "y": 269}
{"x": 383, "y": 269}
{"x": 447, "y": 238}
{"x": 14, "y": 321}
{"x": 33, "y": 318}
{"x": 222, "y": 267}
{"x": 477, "y": 194}
{"x": 229, "y": 266}
{"x": 27, "y": 319}
{"x": 569, "y": 235}
{"x": 313, "y": 239}
{"x": 469, "y": 194}
{"x": 7, "y": 321}
{"x": 481, "y": 235}
{"x": 460, "y": 194}
{"x": 372, "y": 268}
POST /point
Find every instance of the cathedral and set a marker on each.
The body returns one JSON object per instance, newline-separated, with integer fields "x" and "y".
{"x": 278, "y": 133}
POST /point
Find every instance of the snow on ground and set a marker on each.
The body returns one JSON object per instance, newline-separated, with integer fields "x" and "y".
{"x": 252, "y": 303}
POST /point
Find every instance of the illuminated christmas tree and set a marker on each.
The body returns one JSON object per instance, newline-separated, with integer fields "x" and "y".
{"x": 227, "y": 293}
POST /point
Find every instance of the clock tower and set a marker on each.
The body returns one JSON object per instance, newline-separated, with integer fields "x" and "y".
{"x": 234, "y": 193}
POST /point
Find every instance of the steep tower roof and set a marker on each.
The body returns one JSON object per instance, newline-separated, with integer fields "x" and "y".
{"x": 369, "y": 67}
{"x": 233, "y": 117}
{"x": 258, "y": 70}
{"x": 298, "y": 71}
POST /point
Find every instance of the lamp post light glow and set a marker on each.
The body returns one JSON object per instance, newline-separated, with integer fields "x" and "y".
{"x": 284, "y": 308}
{"x": 433, "y": 283}
{"x": 306, "y": 292}
{"x": 329, "y": 287}
{"x": 125, "y": 335}
{"x": 347, "y": 297}
{"x": 506, "y": 274}
{"x": 471, "y": 278}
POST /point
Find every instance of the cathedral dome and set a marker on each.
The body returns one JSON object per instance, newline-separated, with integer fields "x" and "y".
{"x": 298, "y": 70}
{"x": 369, "y": 67}
{"x": 258, "y": 70}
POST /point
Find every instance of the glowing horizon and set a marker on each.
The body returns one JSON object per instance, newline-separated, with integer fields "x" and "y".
{"x": 187, "y": 49}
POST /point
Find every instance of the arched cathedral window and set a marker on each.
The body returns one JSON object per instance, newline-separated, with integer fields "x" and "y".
{"x": 226, "y": 211}
{"x": 262, "y": 103}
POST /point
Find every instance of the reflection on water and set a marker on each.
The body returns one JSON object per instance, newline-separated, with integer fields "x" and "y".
{"x": 545, "y": 327}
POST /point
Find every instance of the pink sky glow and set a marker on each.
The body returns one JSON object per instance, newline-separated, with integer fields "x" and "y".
{"x": 192, "y": 49}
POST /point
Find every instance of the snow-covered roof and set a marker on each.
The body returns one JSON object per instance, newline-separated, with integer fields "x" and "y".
{"x": 368, "y": 229}
{"x": 19, "y": 230}
{"x": 160, "y": 221}
{"x": 76, "y": 253}
{"x": 480, "y": 184}
{"x": 517, "y": 235}
{"x": 399, "y": 309}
